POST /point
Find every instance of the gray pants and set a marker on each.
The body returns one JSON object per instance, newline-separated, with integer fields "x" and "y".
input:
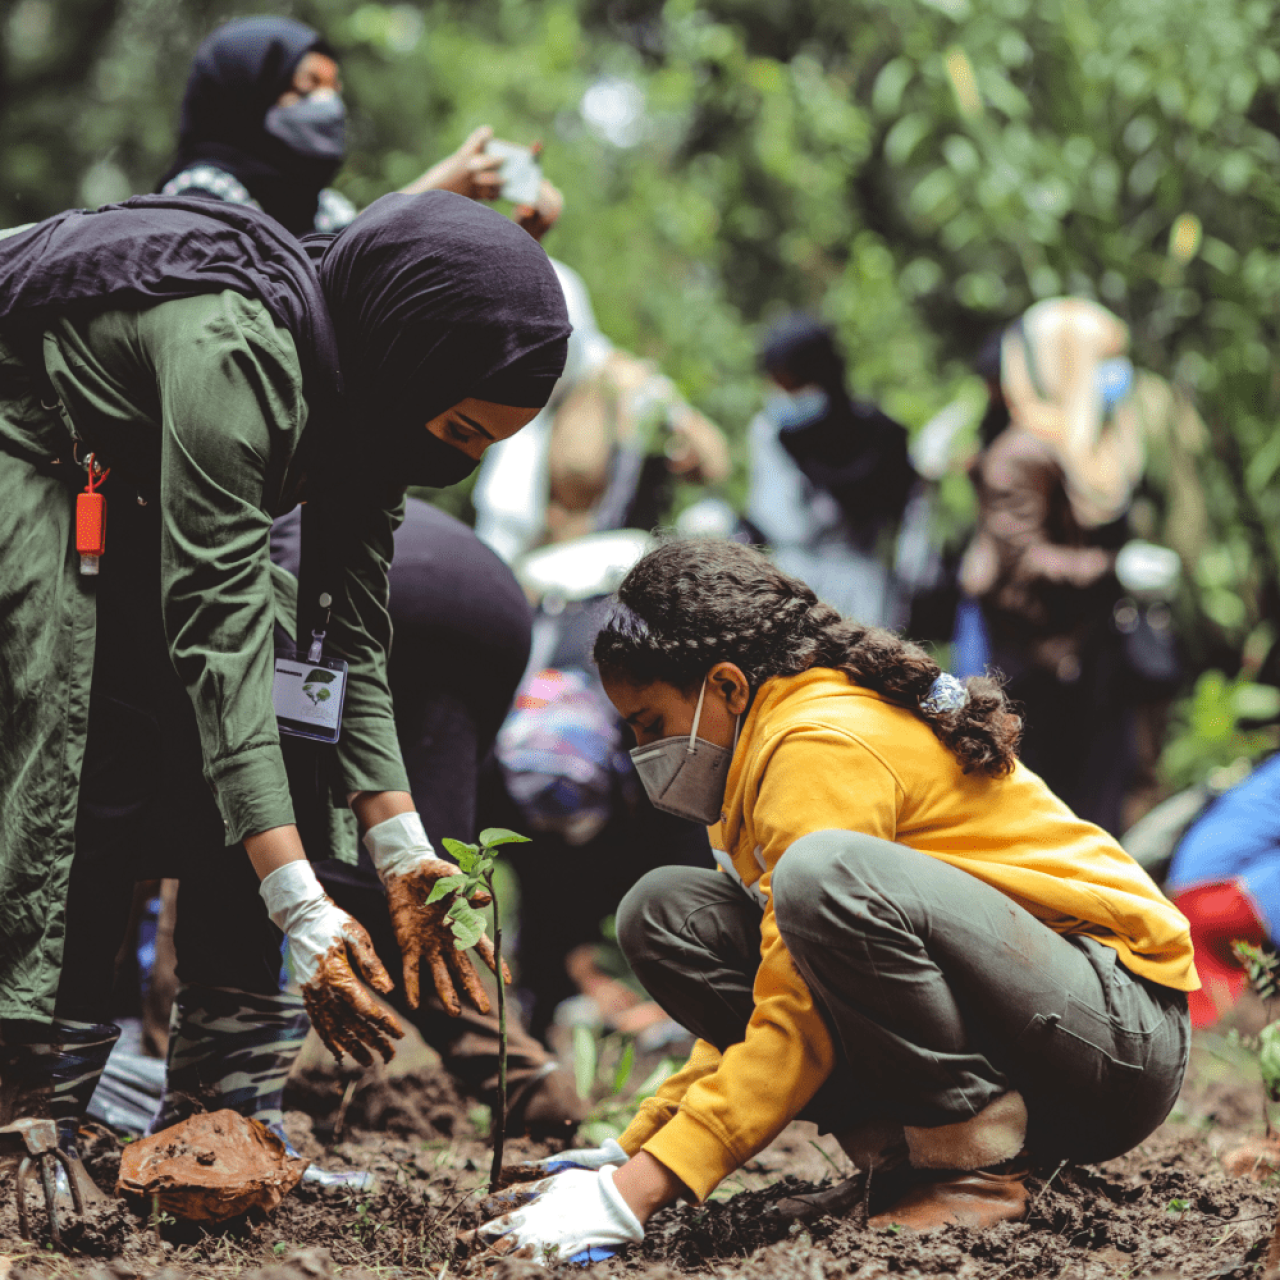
{"x": 941, "y": 993}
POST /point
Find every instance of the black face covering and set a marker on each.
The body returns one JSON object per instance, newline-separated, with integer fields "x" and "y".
{"x": 431, "y": 457}
{"x": 236, "y": 77}
{"x": 436, "y": 299}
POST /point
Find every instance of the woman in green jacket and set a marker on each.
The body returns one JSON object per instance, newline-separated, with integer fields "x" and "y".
{"x": 208, "y": 372}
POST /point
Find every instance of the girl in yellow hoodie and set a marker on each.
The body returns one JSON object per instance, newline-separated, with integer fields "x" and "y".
{"x": 907, "y": 939}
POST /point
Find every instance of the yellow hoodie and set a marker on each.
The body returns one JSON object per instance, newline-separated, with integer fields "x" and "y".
{"x": 818, "y": 752}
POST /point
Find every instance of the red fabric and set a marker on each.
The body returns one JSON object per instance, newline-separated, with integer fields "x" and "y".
{"x": 1219, "y": 914}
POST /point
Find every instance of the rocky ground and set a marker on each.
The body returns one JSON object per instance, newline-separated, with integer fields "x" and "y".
{"x": 1169, "y": 1209}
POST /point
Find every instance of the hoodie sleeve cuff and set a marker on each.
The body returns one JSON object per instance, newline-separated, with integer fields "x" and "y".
{"x": 693, "y": 1153}
{"x": 653, "y": 1114}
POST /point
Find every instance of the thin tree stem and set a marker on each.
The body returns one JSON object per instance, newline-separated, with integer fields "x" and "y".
{"x": 500, "y": 1115}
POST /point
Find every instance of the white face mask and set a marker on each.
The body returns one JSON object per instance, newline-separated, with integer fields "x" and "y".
{"x": 686, "y": 775}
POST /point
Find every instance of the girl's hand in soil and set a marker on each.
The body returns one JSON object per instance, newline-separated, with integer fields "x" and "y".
{"x": 328, "y": 948}
{"x": 409, "y": 869}
{"x": 576, "y": 1216}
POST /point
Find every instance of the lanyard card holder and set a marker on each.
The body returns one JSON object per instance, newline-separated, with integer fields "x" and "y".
{"x": 308, "y": 691}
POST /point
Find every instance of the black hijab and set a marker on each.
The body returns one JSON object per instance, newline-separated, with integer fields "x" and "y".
{"x": 434, "y": 299}
{"x": 236, "y": 76}
{"x": 805, "y": 352}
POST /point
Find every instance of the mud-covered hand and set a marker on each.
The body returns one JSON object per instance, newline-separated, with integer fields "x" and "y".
{"x": 577, "y": 1216}
{"x": 329, "y": 949}
{"x": 409, "y": 869}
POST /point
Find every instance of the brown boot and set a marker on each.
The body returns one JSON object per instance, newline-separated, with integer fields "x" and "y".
{"x": 969, "y": 1175}
{"x": 965, "y": 1198}
{"x": 874, "y": 1146}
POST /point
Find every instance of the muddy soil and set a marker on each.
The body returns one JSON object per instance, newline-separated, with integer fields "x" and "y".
{"x": 1168, "y": 1209}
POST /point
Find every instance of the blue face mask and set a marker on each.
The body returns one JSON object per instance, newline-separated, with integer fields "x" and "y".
{"x": 315, "y": 127}
{"x": 795, "y": 409}
{"x": 1114, "y": 380}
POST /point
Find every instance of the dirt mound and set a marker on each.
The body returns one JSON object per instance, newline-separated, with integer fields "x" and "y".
{"x": 418, "y": 1104}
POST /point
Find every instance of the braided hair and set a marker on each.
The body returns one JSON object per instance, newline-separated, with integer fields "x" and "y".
{"x": 694, "y": 602}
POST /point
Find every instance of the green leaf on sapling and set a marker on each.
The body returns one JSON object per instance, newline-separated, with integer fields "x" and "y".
{"x": 492, "y": 837}
{"x": 444, "y": 887}
{"x": 467, "y": 928}
{"x": 464, "y": 854}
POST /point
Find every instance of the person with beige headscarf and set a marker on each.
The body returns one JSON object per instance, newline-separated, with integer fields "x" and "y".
{"x": 1066, "y": 592}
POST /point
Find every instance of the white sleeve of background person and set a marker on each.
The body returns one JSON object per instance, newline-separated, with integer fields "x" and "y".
{"x": 512, "y": 490}
{"x": 399, "y": 844}
{"x": 300, "y": 908}
{"x": 777, "y": 494}
{"x": 570, "y": 1213}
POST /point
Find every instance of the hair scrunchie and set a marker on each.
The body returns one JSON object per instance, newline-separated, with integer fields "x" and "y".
{"x": 946, "y": 694}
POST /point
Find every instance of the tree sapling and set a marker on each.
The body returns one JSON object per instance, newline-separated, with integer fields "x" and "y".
{"x": 476, "y": 864}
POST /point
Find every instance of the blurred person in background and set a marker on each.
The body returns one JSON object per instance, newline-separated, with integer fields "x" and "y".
{"x": 830, "y": 477}
{"x": 606, "y": 455}
{"x": 1072, "y": 608}
{"x": 1225, "y": 878}
{"x": 263, "y": 125}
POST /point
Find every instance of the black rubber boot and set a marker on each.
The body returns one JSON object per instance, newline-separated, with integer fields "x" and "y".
{"x": 51, "y": 1073}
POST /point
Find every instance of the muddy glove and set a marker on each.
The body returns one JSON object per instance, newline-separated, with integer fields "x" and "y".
{"x": 328, "y": 948}
{"x": 609, "y": 1152}
{"x": 577, "y": 1216}
{"x": 409, "y": 869}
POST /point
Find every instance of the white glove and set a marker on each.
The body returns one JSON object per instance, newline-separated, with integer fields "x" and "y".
{"x": 577, "y": 1216}
{"x": 401, "y": 844}
{"x": 328, "y": 949}
{"x": 609, "y": 1152}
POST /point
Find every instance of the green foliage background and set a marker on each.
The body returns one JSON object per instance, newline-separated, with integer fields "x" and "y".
{"x": 919, "y": 172}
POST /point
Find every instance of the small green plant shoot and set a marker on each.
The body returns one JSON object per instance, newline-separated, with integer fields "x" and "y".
{"x": 1263, "y": 968}
{"x": 476, "y": 863}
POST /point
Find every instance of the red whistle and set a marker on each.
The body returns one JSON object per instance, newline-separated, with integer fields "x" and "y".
{"x": 91, "y": 522}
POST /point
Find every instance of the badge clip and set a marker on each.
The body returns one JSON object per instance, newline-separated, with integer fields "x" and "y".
{"x": 309, "y": 689}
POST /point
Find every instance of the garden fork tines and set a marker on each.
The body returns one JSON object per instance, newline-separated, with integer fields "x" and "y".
{"x": 37, "y": 1142}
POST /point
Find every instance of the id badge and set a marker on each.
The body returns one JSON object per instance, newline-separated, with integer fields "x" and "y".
{"x": 307, "y": 695}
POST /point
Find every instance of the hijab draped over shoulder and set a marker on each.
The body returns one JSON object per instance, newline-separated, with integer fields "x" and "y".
{"x": 425, "y": 300}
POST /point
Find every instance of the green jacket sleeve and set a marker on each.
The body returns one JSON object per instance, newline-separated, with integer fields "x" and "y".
{"x": 231, "y": 409}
